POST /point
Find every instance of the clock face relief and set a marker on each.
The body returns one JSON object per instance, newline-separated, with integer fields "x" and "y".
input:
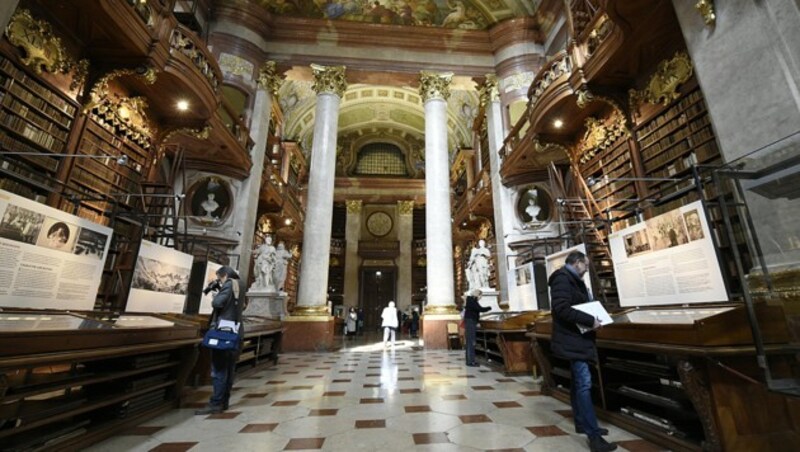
{"x": 379, "y": 224}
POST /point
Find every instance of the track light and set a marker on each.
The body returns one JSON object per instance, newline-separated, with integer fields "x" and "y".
{"x": 121, "y": 160}
{"x": 591, "y": 181}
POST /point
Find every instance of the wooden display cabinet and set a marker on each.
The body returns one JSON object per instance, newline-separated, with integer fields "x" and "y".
{"x": 262, "y": 345}
{"x": 687, "y": 378}
{"x": 69, "y": 380}
{"x": 501, "y": 341}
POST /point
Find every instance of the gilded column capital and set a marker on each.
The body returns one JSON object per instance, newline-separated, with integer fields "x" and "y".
{"x": 706, "y": 9}
{"x": 268, "y": 79}
{"x": 353, "y": 206}
{"x": 434, "y": 85}
{"x": 488, "y": 91}
{"x": 329, "y": 79}
{"x": 405, "y": 207}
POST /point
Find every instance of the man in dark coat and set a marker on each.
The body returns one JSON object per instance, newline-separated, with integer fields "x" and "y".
{"x": 566, "y": 290}
{"x": 227, "y": 306}
{"x": 472, "y": 313}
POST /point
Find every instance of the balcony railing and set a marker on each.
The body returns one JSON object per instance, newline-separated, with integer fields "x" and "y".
{"x": 184, "y": 41}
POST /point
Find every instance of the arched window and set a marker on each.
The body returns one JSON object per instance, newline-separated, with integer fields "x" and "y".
{"x": 381, "y": 159}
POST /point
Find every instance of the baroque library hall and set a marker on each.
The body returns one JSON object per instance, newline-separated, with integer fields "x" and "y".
{"x": 378, "y": 225}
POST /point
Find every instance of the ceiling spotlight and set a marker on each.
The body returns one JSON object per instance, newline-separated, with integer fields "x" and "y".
{"x": 183, "y": 105}
{"x": 558, "y": 123}
{"x": 288, "y": 221}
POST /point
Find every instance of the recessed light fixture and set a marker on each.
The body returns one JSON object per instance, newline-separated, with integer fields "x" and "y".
{"x": 558, "y": 123}
{"x": 288, "y": 221}
{"x": 183, "y": 105}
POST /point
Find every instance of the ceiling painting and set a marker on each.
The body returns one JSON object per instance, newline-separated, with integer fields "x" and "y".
{"x": 461, "y": 14}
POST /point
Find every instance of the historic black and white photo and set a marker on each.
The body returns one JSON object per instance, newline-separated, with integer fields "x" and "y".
{"x": 90, "y": 243}
{"x": 57, "y": 235}
{"x": 156, "y": 276}
{"x": 21, "y": 225}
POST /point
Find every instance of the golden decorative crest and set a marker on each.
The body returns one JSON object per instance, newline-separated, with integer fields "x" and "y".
{"x": 43, "y": 50}
{"x": 584, "y": 97}
{"x": 663, "y": 85}
{"x": 405, "y": 207}
{"x": 268, "y": 78}
{"x": 128, "y": 116}
{"x": 434, "y": 85}
{"x": 488, "y": 91}
{"x": 600, "y": 135}
{"x": 200, "y": 134}
{"x": 353, "y": 206}
{"x": 329, "y": 79}
{"x": 706, "y": 9}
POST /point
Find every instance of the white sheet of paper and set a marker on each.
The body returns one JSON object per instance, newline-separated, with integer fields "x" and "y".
{"x": 229, "y": 324}
{"x": 596, "y": 310}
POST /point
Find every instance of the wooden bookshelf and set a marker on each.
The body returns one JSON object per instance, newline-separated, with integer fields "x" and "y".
{"x": 34, "y": 118}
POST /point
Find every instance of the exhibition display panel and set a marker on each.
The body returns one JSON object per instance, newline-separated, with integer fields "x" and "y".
{"x": 69, "y": 380}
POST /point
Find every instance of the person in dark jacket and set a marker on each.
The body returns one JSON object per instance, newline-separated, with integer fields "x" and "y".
{"x": 227, "y": 306}
{"x": 566, "y": 290}
{"x": 472, "y": 312}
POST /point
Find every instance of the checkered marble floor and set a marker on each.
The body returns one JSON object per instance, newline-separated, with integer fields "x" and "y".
{"x": 366, "y": 398}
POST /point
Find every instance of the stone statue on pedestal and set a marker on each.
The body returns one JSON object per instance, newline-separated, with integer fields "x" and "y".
{"x": 282, "y": 257}
{"x": 264, "y": 267}
{"x": 478, "y": 266}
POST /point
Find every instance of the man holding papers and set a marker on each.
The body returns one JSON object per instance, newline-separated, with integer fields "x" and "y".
{"x": 567, "y": 290}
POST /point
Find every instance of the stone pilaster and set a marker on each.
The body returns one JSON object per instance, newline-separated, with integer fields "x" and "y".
{"x": 405, "y": 235}
{"x": 330, "y": 84}
{"x": 351, "y": 264}
{"x": 247, "y": 205}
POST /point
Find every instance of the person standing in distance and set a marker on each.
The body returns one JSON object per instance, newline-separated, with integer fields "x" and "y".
{"x": 389, "y": 324}
{"x": 472, "y": 313}
{"x": 566, "y": 290}
{"x": 226, "y": 306}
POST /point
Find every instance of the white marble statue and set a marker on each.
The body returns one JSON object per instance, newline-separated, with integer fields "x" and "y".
{"x": 282, "y": 257}
{"x": 478, "y": 266}
{"x": 264, "y": 265}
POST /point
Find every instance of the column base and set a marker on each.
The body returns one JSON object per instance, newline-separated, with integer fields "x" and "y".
{"x": 434, "y": 329}
{"x": 308, "y": 333}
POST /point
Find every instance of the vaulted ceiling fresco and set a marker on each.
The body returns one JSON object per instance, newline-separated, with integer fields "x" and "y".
{"x": 370, "y": 113}
{"x": 463, "y": 14}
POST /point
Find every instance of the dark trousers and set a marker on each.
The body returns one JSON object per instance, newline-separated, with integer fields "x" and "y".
{"x": 581, "y": 399}
{"x": 223, "y": 370}
{"x": 470, "y": 327}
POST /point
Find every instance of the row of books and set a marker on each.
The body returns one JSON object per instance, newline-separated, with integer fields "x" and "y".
{"x": 107, "y": 133}
{"x": 688, "y": 100}
{"x": 53, "y": 113}
{"x": 33, "y": 116}
{"x": 31, "y": 132}
{"x": 12, "y": 144}
{"x": 94, "y": 145}
{"x": 56, "y": 99}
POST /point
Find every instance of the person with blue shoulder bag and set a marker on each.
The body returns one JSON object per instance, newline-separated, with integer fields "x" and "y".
{"x": 223, "y": 338}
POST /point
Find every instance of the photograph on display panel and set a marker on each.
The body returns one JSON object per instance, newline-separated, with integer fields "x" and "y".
{"x": 157, "y": 276}
{"x": 57, "y": 235}
{"x": 90, "y": 243}
{"x": 21, "y": 224}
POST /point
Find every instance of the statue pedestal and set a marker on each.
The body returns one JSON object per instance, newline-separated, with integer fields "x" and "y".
{"x": 266, "y": 304}
{"x": 490, "y": 297}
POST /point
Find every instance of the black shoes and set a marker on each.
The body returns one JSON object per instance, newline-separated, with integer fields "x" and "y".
{"x": 209, "y": 409}
{"x": 598, "y": 444}
{"x": 603, "y": 431}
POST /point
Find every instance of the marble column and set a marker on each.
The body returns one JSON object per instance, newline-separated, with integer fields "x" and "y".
{"x": 7, "y": 9}
{"x": 352, "y": 235}
{"x": 501, "y": 195}
{"x": 329, "y": 84}
{"x": 440, "y": 309}
{"x": 247, "y": 205}
{"x": 405, "y": 234}
{"x": 434, "y": 90}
